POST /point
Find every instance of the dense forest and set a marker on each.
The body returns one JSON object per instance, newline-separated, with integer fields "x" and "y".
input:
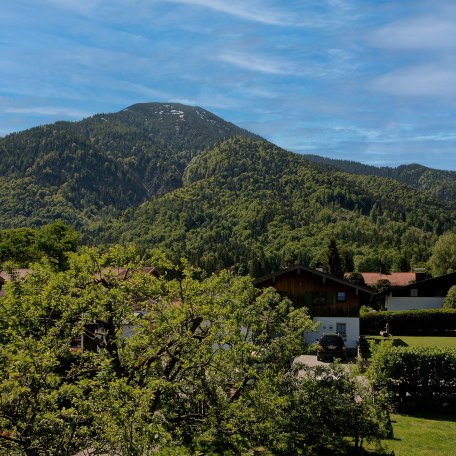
{"x": 184, "y": 180}
{"x": 252, "y": 205}
{"x": 439, "y": 184}
{"x": 83, "y": 171}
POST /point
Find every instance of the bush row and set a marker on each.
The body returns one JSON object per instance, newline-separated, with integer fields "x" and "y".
{"x": 437, "y": 322}
{"x": 424, "y": 376}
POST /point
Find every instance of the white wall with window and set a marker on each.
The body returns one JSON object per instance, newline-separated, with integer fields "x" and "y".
{"x": 336, "y": 325}
{"x": 412, "y": 303}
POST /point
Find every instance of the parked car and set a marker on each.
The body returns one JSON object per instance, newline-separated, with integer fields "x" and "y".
{"x": 331, "y": 346}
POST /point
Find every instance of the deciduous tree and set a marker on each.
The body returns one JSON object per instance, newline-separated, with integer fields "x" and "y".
{"x": 183, "y": 360}
{"x": 443, "y": 259}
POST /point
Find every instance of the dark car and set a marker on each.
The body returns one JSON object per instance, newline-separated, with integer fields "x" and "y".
{"x": 331, "y": 346}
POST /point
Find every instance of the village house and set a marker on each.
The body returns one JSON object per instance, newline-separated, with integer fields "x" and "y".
{"x": 423, "y": 294}
{"x": 332, "y": 301}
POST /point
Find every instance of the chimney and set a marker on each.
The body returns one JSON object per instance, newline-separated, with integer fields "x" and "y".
{"x": 420, "y": 274}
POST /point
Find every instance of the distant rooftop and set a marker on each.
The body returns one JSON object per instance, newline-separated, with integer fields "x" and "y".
{"x": 396, "y": 279}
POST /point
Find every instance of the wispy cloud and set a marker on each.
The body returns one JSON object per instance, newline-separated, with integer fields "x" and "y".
{"x": 250, "y": 11}
{"x": 331, "y": 63}
{"x": 431, "y": 32}
{"x": 48, "y": 111}
{"x": 423, "y": 80}
{"x": 255, "y": 63}
{"x": 85, "y": 7}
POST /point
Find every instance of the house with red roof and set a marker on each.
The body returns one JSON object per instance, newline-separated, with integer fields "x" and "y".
{"x": 422, "y": 294}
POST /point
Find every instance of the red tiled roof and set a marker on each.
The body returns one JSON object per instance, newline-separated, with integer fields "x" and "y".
{"x": 396, "y": 279}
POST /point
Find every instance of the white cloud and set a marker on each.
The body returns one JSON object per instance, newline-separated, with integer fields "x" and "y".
{"x": 432, "y": 32}
{"x": 424, "y": 80}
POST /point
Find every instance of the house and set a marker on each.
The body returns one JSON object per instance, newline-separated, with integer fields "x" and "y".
{"x": 332, "y": 301}
{"x": 396, "y": 279}
{"x": 95, "y": 335}
{"x": 423, "y": 294}
{"x": 6, "y": 277}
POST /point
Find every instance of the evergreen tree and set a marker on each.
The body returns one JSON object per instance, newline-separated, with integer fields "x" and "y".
{"x": 334, "y": 260}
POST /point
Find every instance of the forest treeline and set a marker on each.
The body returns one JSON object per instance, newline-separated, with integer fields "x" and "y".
{"x": 252, "y": 206}
{"x": 439, "y": 184}
{"x": 181, "y": 179}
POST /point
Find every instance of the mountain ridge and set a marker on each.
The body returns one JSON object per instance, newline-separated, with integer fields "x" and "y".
{"x": 440, "y": 183}
{"x": 251, "y": 204}
{"x": 180, "y": 178}
{"x": 104, "y": 163}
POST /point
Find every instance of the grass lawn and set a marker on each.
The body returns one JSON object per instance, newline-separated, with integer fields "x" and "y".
{"x": 419, "y": 341}
{"x": 426, "y": 341}
{"x": 423, "y": 435}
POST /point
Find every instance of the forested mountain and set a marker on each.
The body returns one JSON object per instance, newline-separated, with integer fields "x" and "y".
{"x": 180, "y": 178}
{"x": 253, "y": 205}
{"x": 105, "y": 163}
{"x": 439, "y": 184}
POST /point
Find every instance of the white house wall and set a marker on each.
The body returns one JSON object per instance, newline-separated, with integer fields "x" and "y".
{"x": 329, "y": 324}
{"x": 412, "y": 303}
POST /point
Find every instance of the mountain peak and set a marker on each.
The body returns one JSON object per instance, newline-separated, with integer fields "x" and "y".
{"x": 167, "y": 109}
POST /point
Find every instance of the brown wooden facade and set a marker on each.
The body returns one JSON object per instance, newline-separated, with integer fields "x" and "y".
{"x": 324, "y": 295}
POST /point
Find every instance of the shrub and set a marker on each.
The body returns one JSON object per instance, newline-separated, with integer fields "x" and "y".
{"x": 450, "y": 300}
{"x": 437, "y": 322}
{"x": 419, "y": 376}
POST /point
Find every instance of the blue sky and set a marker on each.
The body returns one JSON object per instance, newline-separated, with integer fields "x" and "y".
{"x": 372, "y": 81}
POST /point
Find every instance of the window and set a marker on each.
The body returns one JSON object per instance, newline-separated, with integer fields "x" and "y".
{"x": 341, "y": 328}
{"x": 319, "y": 298}
{"x": 341, "y": 296}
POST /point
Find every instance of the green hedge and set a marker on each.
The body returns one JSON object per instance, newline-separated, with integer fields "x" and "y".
{"x": 437, "y": 322}
{"x": 424, "y": 376}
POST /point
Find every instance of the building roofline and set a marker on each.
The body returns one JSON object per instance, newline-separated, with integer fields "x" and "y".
{"x": 313, "y": 271}
{"x": 426, "y": 281}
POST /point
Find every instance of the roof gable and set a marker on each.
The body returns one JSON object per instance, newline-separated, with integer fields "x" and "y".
{"x": 315, "y": 272}
{"x": 446, "y": 278}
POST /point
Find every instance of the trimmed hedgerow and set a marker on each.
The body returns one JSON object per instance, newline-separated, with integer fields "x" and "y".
{"x": 423, "y": 376}
{"x": 436, "y": 322}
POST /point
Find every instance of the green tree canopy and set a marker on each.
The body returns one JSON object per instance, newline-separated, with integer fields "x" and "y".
{"x": 171, "y": 362}
{"x": 21, "y": 247}
{"x": 179, "y": 360}
{"x": 55, "y": 241}
{"x": 450, "y": 299}
{"x": 443, "y": 259}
